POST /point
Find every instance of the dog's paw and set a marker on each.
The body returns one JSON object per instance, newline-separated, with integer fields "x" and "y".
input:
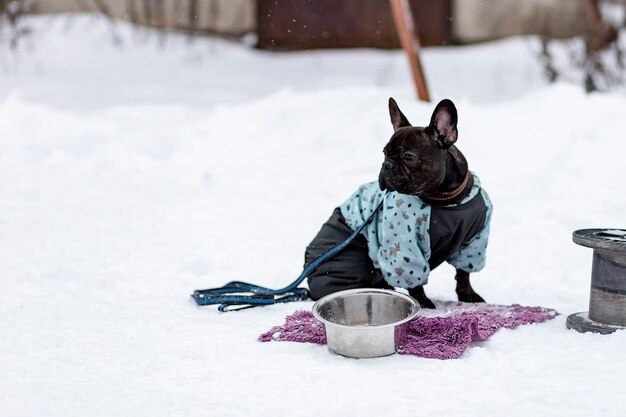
{"x": 426, "y": 303}
{"x": 420, "y": 296}
{"x": 470, "y": 298}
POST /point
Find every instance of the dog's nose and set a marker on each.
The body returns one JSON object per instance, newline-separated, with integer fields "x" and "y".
{"x": 387, "y": 165}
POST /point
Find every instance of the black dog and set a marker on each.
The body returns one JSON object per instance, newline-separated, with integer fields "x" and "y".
{"x": 433, "y": 210}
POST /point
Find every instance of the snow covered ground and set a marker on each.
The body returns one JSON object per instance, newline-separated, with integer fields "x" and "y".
{"x": 133, "y": 175}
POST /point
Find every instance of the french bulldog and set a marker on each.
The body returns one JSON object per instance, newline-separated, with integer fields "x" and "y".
{"x": 432, "y": 209}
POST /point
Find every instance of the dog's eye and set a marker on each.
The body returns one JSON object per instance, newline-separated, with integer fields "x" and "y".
{"x": 408, "y": 157}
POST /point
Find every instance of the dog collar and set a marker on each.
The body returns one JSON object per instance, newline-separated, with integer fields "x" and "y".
{"x": 454, "y": 193}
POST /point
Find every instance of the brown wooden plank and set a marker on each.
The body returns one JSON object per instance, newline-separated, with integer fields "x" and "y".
{"x": 306, "y": 24}
{"x": 407, "y": 32}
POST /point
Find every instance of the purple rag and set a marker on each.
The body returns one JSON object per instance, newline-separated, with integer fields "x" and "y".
{"x": 444, "y": 333}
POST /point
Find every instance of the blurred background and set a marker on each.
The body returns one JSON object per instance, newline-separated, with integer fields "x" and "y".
{"x": 289, "y": 25}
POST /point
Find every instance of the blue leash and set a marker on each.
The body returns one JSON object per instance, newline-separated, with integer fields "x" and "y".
{"x": 246, "y": 295}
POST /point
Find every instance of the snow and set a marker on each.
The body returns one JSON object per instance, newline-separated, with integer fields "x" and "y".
{"x": 134, "y": 174}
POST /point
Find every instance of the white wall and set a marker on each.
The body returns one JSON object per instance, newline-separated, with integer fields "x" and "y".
{"x": 232, "y": 17}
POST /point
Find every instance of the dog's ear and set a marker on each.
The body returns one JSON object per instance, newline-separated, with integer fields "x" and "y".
{"x": 398, "y": 120}
{"x": 443, "y": 123}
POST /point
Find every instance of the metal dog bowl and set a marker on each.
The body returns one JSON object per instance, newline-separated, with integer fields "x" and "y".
{"x": 362, "y": 323}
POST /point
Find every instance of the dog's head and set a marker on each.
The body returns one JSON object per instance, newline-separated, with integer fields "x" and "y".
{"x": 415, "y": 157}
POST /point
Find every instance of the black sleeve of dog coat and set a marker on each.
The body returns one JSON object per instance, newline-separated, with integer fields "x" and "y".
{"x": 451, "y": 228}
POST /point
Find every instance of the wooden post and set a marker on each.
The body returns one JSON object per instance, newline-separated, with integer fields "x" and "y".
{"x": 407, "y": 32}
